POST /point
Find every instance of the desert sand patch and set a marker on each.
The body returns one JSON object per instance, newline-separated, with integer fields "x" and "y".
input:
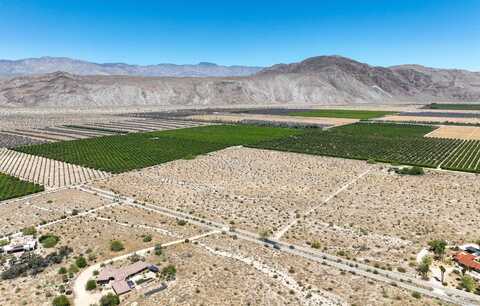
{"x": 456, "y": 132}
{"x": 239, "y": 118}
{"x": 430, "y": 119}
{"x": 387, "y": 218}
{"x": 248, "y": 189}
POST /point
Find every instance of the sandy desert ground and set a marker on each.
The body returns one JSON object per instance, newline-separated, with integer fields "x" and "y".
{"x": 239, "y": 118}
{"x": 247, "y": 188}
{"x": 358, "y": 209}
{"x": 221, "y": 270}
{"x": 456, "y": 132}
{"x": 430, "y": 119}
{"x": 44, "y": 208}
{"x": 385, "y": 218}
{"x": 349, "y": 207}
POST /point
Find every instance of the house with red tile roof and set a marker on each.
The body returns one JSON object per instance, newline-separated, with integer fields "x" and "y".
{"x": 467, "y": 260}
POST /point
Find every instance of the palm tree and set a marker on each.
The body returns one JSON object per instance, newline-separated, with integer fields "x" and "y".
{"x": 442, "y": 271}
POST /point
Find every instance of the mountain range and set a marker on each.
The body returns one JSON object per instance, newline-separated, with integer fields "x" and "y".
{"x": 42, "y": 65}
{"x": 317, "y": 80}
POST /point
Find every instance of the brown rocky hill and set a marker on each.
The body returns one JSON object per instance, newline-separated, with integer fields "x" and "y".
{"x": 318, "y": 80}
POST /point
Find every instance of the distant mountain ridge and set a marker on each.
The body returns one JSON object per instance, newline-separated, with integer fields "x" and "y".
{"x": 400, "y": 81}
{"x": 318, "y": 80}
{"x": 43, "y": 65}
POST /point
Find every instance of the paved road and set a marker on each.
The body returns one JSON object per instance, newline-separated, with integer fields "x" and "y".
{"x": 446, "y": 294}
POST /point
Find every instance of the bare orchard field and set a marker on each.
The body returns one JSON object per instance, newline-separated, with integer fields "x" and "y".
{"x": 11, "y": 141}
{"x": 456, "y": 132}
{"x": 25, "y": 119}
{"x": 45, "y": 207}
{"x": 249, "y": 189}
{"x": 238, "y": 118}
{"x": 386, "y": 219}
{"x": 18, "y": 118}
{"x": 44, "y": 171}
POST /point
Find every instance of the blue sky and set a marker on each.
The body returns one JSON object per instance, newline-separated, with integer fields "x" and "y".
{"x": 440, "y": 33}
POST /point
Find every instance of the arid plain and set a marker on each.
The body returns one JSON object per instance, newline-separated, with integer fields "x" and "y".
{"x": 235, "y": 223}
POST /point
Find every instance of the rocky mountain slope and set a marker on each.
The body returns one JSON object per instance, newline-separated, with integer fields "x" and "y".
{"x": 42, "y": 65}
{"x": 319, "y": 80}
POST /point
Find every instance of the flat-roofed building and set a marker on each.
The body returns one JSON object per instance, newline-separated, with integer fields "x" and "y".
{"x": 21, "y": 244}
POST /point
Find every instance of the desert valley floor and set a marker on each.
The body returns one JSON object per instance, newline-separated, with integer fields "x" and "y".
{"x": 235, "y": 213}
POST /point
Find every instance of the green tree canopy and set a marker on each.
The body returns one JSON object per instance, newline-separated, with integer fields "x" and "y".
{"x": 438, "y": 247}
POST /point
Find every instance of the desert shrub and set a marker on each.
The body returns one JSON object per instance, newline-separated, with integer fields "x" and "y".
{"x": 62, "y": 270}
{"x": 3, "y": 242}
{"x": 91, "y": 285}
{"x": 315, "y": 244}
{"x": 116, "y": 246}
{"x": 468, "y": 283}
{"x": 61, "y": 300}
{"x": 135, "y": 257}
{"x": 158, "y": 249}
{"x": 81, "y": 262}
{"x": 181, "y": 222}
{"x": 147, "y": 238}
{"x": 169, "y": 272}
{"x": 264, "y": 234}
{"x": 49, "y": 240}
{"x": 109, "y": 300}
{"x": 412, "y": 170}
{"x": 424, "y": 267}
{"x": 31, "y": 264}
{"x": 416, "y": 295}
{"x": 31, "y": 230}
{"x": 73, "y": 269}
